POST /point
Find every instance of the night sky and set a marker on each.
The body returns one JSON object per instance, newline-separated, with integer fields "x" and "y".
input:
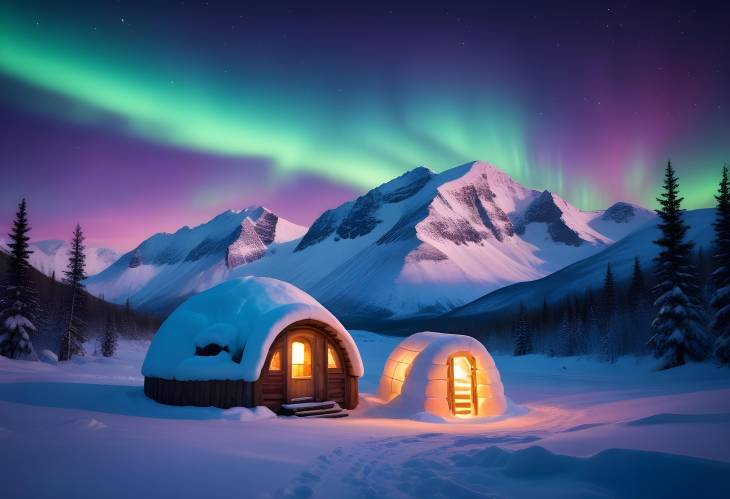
{"x": 133, "y": 119}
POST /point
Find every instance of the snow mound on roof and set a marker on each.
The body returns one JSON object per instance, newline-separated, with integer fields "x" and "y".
{"x": 243, "y": 316}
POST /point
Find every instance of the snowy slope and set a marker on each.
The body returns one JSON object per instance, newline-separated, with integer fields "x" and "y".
{"x": 168, "y": 266}
{"x": 51, "y": 256}
{"x": 589, "y": 272}
{"x": 579, "y": 429}
{"x": 422, "y": 243}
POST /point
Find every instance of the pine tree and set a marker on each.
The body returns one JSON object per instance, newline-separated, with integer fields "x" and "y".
{"x": 18, "y": 307}
{"x": 720, "y": 301}
{"x": 128, "y": 328}
{"x": 608, "y": 339}
{"x": 637, "y": 288}
{"x": 592, "y": 329}
{"x": 565, "y": 336}
{"x": 638, "y": 307}
{"x": 72, "y": 342}
{"x": 678, "y": 330}
{"x": 523, "y": 335}
{"x": 109, "y": 340}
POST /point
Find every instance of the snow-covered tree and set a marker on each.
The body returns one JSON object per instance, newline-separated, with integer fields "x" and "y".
{"x": 678, "y": 330}
{"x": 18, "y": 307}
{"x": 72, "y": 341}
{"x": 720, "y": 301}
{"x": 109, "y": 340}
{"x": 523, "y": 335}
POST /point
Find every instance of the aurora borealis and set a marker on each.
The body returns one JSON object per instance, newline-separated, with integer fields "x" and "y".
{"x": 161, "y": 116}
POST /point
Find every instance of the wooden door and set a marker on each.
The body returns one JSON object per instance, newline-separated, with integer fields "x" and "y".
{"x": 302, "y": 368}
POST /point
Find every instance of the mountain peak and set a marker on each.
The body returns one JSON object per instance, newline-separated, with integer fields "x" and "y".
{"x": 622, "y": 212}
{"x": 358, "y": 218}
{"x": 544, "y": 209}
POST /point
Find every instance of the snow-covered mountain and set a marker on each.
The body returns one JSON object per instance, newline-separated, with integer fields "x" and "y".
{"x": 51, "y": 256}
{"x": 589, "y": 272}
{"x": 422, "y": 243}
{"x": 166, "y": 267}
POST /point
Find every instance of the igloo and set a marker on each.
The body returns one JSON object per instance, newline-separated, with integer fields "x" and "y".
{"x": 447, "y": 375}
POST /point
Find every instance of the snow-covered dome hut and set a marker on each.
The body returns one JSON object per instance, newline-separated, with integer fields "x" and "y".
{"x": 448, "y": 375}
{"x": 249, "y": 342}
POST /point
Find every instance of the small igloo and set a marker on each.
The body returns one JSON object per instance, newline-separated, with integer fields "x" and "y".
{"x": 447, "y": 375}
{"x": 253, "y": 341}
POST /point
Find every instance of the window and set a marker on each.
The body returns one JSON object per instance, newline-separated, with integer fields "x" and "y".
{"x": 333, "y": 361}
{"x": 275, "y": 362}
{"x": 301, "y": 359}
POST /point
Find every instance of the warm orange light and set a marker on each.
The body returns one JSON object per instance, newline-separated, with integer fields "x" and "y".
{"x": 297, "y": 353}
{"x": 331, "y": 358}
{"x": 301, "y": 359}
{"x": 275, "y": 364}
{"x": 463, "y": 403}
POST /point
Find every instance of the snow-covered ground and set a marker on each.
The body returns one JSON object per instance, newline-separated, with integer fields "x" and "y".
{"x": 577, "y": 428}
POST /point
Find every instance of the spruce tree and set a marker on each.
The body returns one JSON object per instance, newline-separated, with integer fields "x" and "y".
{"x": 592, "y": 329}
{"x": 109, "y": 340}
{"x": 523, "y": 336}
{"x": 565, "y": 336}
{"x": 678, "y": 329}
{"x": 637, "y": 288}
{"x": 72, "y": 341}
{"x": 638, "y": 309}
{"x": 18, "y": 306}
{"x": 608, "y": 340}
{"x": 720, "y": 301}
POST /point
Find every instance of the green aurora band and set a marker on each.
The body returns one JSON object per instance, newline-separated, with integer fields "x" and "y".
{"x": 299, "y": 124}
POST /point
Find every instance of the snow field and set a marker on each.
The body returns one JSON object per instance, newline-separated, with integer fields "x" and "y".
{"x": 576, "y": 428}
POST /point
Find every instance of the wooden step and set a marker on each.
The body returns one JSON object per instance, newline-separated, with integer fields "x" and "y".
{"x": 318, "y": 412}
{"x": 326, "y": 409}
{"x": 305, "y": 406}
{"x": 334, "y": 415}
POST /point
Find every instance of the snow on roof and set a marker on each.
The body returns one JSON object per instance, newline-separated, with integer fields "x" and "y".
{"x": 241, "y": 315}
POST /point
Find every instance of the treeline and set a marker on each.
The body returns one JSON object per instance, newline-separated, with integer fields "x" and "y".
{"x": 55, "y": 314}
{"x": 679, "y": 310}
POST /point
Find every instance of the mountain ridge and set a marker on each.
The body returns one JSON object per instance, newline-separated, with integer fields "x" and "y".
{"x": 422, "y": 242}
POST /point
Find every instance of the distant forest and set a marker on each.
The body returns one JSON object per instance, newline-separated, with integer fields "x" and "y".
{"x": 51, "y": 297}
{"x": 610, "y": 320}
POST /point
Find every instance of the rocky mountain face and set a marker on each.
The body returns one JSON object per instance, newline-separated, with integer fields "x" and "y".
{"x": 422, "y": 243}
{"x": 589, "y": 272}
{"x": 231, "y": 239}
